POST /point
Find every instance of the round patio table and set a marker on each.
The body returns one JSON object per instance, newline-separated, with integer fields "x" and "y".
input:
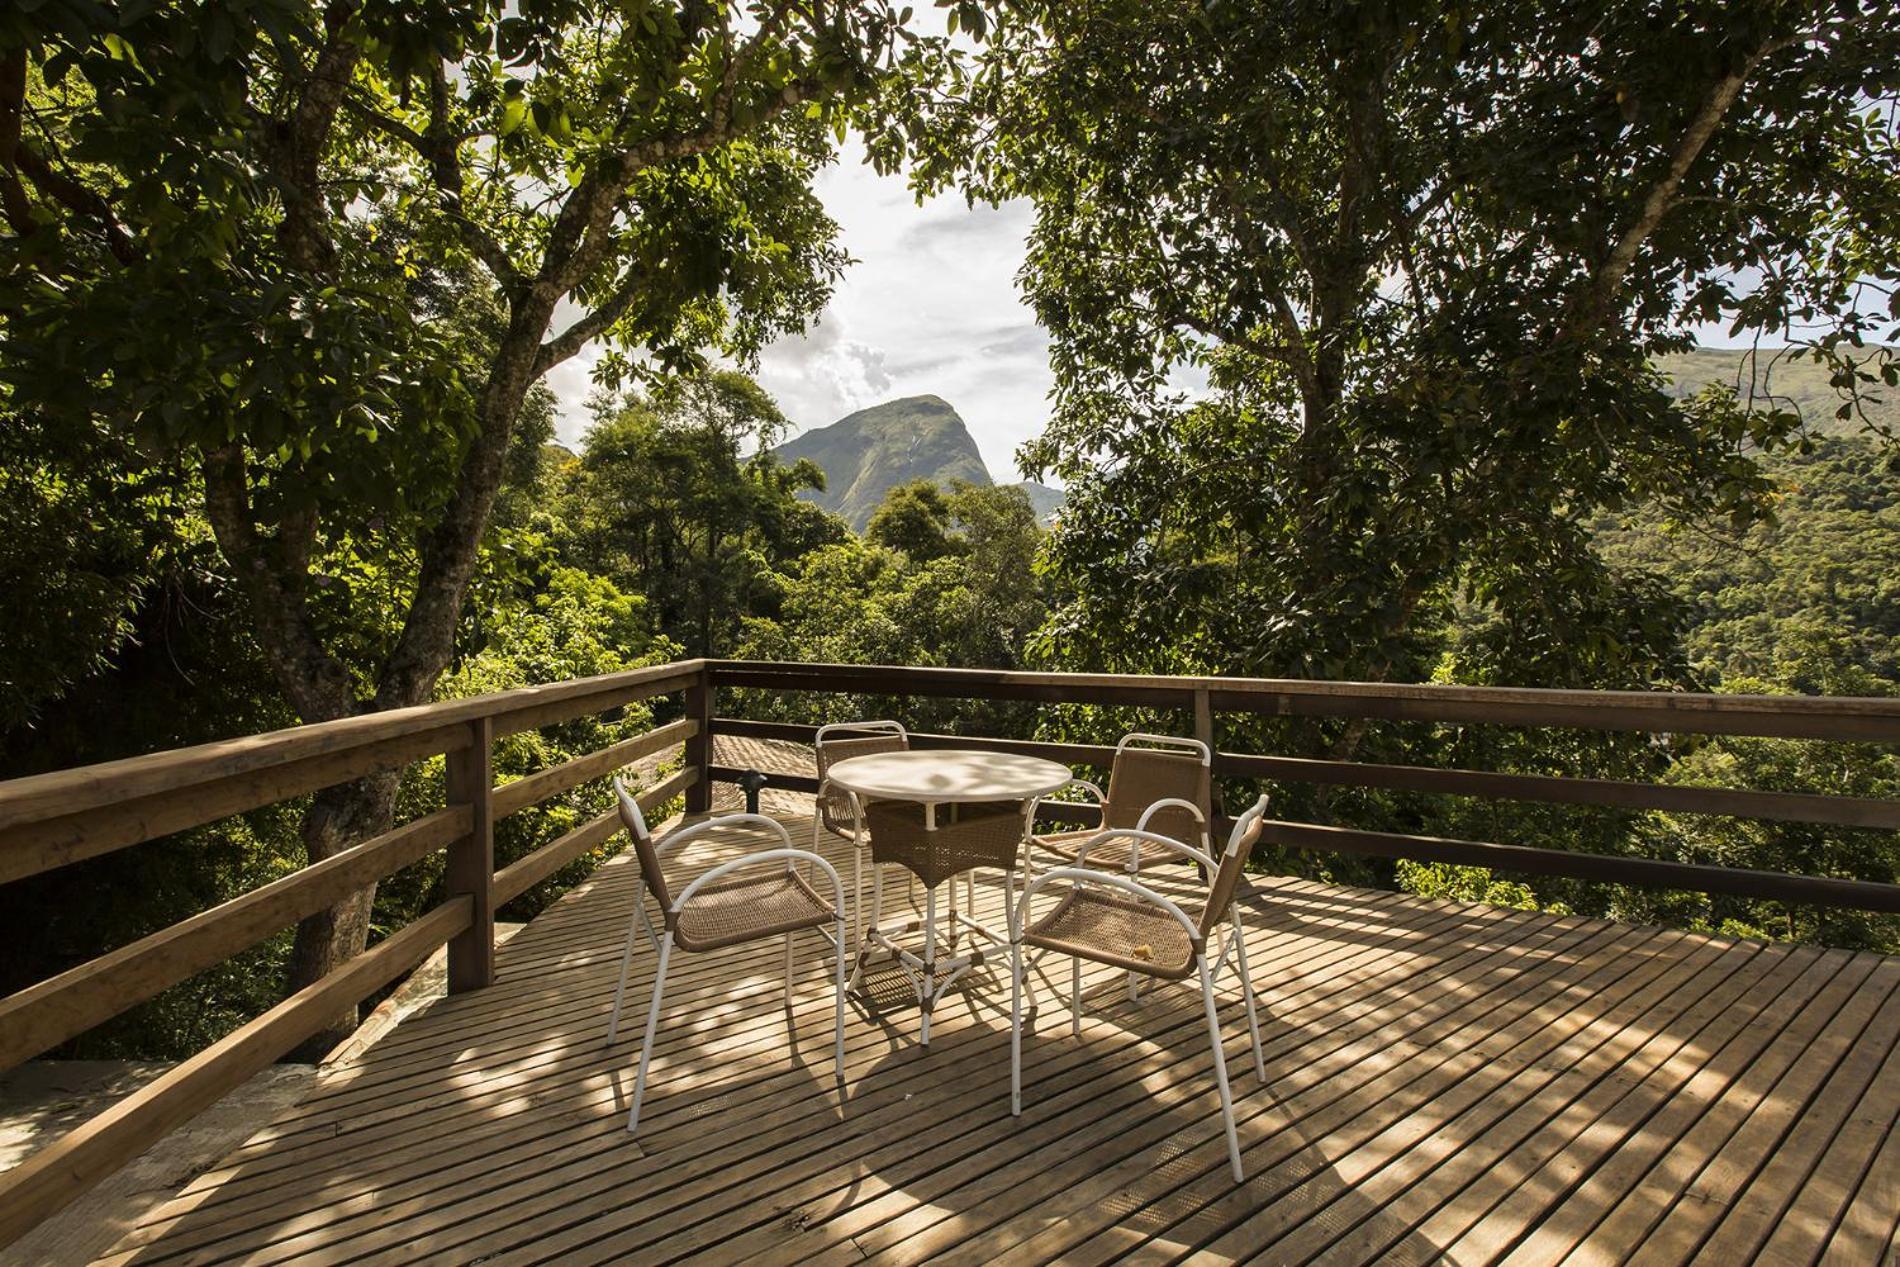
{"x": 934, "y": 777}
{"x": 948, "y": 776}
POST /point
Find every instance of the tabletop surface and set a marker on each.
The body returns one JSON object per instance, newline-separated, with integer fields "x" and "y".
{"x": 947, "y": 775}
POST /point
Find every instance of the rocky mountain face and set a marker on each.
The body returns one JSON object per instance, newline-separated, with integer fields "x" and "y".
{"x": 866, "y": 454}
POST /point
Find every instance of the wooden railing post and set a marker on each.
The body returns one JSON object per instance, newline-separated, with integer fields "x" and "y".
{"x": 1204, "y": 731}
{"x": 471, "y": 860}
{"x": 699, "y": 746}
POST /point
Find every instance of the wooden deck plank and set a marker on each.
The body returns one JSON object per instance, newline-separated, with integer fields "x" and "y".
{"x": 1444, "y": 1079}
{"x": 1787, "y": 1166}
{"x": 901, "y": 1133}
{"x": 1651, "y": 1199}
{"x": 1402, "y": 1080}
{"x": 1558, "y": 1160}
{"x": 662, "y": 1102}
{"x": 985, "y": 1187}
{"x": 1379, "y": 1194}
{"x": 1849, "y": 1159}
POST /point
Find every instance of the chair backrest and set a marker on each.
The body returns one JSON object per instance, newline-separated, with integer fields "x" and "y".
{"x": 842, "y": 740}
{"x": 636, "y": 824}
{"x": 1150, "y": 768}
{"x": 1233, "y": 865}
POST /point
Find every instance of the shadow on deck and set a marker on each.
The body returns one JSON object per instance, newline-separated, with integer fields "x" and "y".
{"x": 1446, "y": 1083}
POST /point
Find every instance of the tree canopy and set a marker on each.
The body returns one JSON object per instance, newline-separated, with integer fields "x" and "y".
{"x": 1422, "y": 258}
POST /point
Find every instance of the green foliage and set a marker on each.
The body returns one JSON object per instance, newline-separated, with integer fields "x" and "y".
{"x": 1410, "y": 250}
{"x": 914, "y": 520}
{"x": 666, "y": 502}
{"x": 969, "y": 598}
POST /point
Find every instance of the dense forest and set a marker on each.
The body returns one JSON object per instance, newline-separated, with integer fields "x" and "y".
{"x": 283, "y": 285}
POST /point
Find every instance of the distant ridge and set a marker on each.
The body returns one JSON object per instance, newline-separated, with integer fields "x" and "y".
{"x": 1778, "y": 380}
{"x": 866, "y": 454}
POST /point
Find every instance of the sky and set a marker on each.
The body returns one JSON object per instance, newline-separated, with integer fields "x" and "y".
{"x": 929, "y": 307}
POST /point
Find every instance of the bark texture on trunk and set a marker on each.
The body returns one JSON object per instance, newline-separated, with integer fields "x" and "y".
{"x": 338, "y": 818}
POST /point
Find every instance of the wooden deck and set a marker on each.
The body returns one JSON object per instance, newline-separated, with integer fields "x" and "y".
{"x": 1447, "y": 1083}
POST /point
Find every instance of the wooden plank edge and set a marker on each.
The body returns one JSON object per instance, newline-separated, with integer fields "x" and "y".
{"x": 1645, "y": 872}
{"x": 1794, "y": 807}
{"x": 512, "y": 798}
{"x": 1840, "y": 717}
{"x": 1797, "y": 807}
{"x": 64, "y": 1170}
{"x": 61, "y": 792}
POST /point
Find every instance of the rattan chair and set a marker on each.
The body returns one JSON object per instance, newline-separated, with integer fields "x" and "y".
{"x": 936, "y": 847}
{"x": 1158, "y": 783}
{"x": 1114, "y": 920}
{"x": 731, "y": 904}
{"x": 837, "y": 812}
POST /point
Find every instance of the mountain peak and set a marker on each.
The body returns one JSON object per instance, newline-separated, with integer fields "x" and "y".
{"x": 866, "y": 454}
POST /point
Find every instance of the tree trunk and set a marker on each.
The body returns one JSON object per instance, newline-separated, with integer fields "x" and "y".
{"x": 338, "y": 818}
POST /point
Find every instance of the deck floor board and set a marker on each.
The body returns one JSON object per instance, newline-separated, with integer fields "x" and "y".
{"x": 1446, "y": 1083}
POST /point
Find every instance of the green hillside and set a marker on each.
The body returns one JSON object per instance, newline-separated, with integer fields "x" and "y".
{"x": 1045, "y": 500}
{"x": 1778, "y": 378}
{"x": 866, "y": 454}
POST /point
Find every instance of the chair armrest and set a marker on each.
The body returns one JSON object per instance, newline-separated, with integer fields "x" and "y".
{"x": 1171, "y": 802}
{"x": 1019, "y": 913}
{"x": 787, "y": 855}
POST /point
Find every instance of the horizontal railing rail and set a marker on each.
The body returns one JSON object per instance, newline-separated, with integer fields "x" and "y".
{"x": 53, "y": 819}
{"x": 1847, "y": 719}
{"x": 1664, "y": 712}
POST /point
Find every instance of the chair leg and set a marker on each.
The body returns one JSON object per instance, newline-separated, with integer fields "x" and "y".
{"x": 653, "y": 1024}
{"x": 1220, "y": 1071}
{"x": 1246, "y": 988}
{"x": 1075, "y": 997}
{"x": 788, "y": 970}
{"x": 930, "y": 961}
{"x": 626, "y": 963}
{"x": 1134, "y": 873}
{"x": 1016, "y": 1030}
{"x": 817, "y": 824}
{"x": 839, "y": 1002}
{"x": 857, "y": 891}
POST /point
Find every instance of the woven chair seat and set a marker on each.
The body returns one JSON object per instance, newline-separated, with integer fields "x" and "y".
{"x": 749, "y": 907}
{"x": 1123, "y": 932}
{"x": 986, "y": 834}
{"x": 1110, "y": 855}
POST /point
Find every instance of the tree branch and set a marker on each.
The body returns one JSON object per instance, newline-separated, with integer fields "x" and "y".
{"x": 1702, "y": 126}
{"x": 591, "y": 326}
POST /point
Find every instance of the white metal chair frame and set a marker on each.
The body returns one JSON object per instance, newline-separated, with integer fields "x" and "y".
{"x": 1131, "y": 740}
{"x": 863, "y": 729}
{"x": 1234, "y": 942}
{"x": 1142, "y": 739}
{"x": 663, "y": 943}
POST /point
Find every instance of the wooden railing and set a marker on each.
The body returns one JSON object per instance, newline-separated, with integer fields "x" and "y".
{"x": 1199, "y": 699}
{"x": 50, "y": 820}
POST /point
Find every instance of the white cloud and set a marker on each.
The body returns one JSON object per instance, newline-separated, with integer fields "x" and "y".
{"x": 930, "y": 306}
